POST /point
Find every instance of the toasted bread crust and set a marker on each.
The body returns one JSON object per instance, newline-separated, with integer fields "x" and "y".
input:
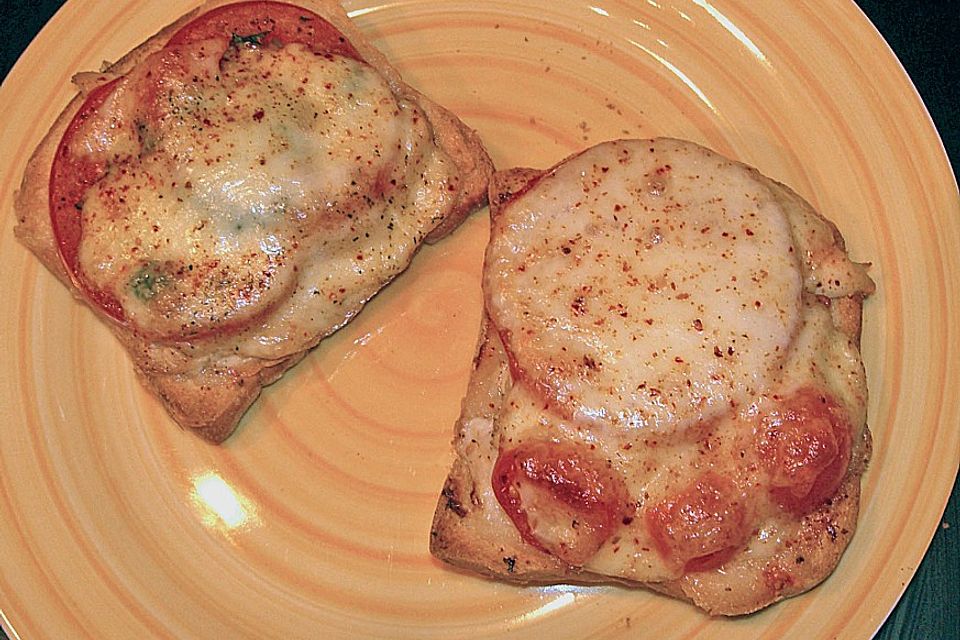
{"x": 212, "y": 401}
{"x": 470, "y": 533}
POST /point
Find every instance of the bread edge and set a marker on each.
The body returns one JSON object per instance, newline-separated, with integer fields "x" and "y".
{"x": 824, "y": 534}
{"x": 212, "y": 403}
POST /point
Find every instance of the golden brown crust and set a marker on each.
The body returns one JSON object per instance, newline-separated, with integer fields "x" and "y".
{"x": 211, "y": 402}
{"x": 470, "y": 533}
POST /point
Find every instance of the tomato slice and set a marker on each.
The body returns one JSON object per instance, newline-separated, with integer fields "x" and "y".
{"x": 72, "y": 173}
{"x": 266, "y": 23}
{"x": 702, "y": 526}
{"x": 562, "y": 498}
{"x": 805, "y": 445}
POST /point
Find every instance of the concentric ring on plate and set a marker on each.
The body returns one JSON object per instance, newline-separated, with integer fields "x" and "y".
{"x": 888, "y": 180}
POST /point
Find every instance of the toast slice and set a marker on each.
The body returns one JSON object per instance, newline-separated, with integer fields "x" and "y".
{"x": 697, "y": 505}
{"x": 207, "y": 346}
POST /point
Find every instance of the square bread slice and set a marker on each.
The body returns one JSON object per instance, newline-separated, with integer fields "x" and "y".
{"x": 235, "y": 189}
{"x": 668, "y": 391}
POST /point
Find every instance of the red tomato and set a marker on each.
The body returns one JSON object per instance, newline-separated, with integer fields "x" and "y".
{"x": 72, "y": 174}
{"x": 266, "y": 23}
{"x": 805, "y": 446}
{"x": 702, "y": 526}
{"x": 562, "y": 498}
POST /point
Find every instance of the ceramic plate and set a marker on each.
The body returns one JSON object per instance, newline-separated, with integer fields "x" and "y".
{"x": 313, "y": 519}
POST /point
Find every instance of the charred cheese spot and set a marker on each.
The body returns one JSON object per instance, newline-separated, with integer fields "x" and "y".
{"x": 804, "y": 443}
{"x": 232, "y": 172}
{"x": 701, "y": 527}
{"x": 561, "y": 497}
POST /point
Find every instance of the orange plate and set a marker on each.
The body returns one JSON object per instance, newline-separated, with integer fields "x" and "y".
{"x": 313, "y": 519}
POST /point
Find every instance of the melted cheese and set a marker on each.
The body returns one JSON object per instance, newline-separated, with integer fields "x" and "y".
{"x": 270, "y": 190}
{"x": 665, "y": 448}
{"x": 649, "y": 285}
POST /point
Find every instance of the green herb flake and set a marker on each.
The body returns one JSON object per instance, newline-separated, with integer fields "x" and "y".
{"x": 146, "y": 282}
{"x": 253, "y": 39}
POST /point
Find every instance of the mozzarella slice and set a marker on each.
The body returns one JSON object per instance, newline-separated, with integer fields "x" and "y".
{"x": 645, "y": 284}
{"x": 270, "y": 189}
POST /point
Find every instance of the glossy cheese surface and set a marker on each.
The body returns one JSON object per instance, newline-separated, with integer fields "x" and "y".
{"x": 586, "y": 331}
{"x": 646, "y": 285}
{"x": 658, "y": 466}
{"x": 265, "y": 191}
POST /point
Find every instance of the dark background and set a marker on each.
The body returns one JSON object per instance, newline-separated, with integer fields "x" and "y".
{"x": 924, "y": 36}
